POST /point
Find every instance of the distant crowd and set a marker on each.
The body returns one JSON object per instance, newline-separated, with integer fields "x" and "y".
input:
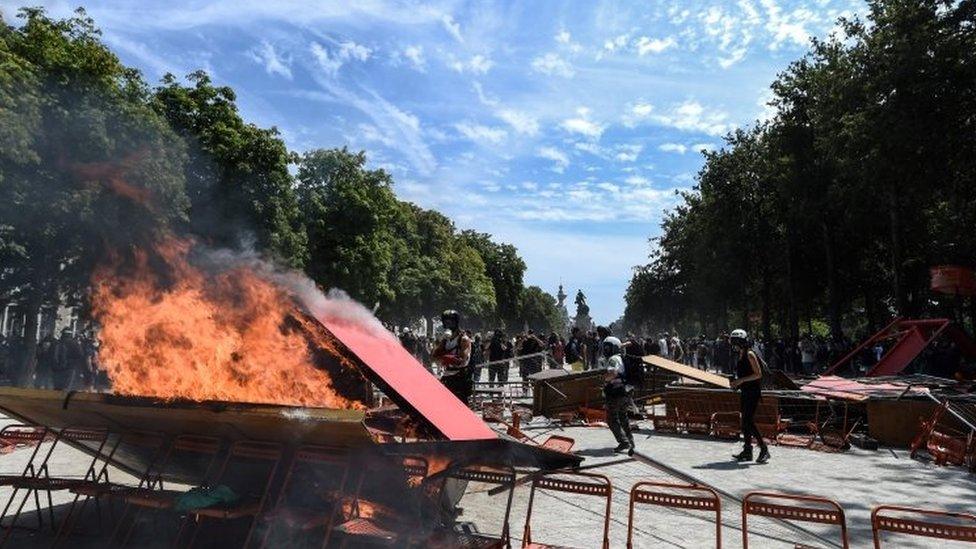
{"x": 67, "y": 362}
{"x": 495, "y": 353}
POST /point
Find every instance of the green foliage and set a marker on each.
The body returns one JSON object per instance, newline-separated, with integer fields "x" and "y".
{"x": 92, "y": 158}
{"x": 539, "y": 311}
{"x": 505, "y": 269}
{"x": 349, "y": 215}
{"x": 74, "y": 123}
{"x": 238, "y": 175}
{"x": 838, "y": 206}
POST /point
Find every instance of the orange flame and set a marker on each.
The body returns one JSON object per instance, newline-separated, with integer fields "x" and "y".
{"x": 170, "y": 329}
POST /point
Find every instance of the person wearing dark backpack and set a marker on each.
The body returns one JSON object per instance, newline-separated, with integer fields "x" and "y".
{"x": 574, "y": 349}
{"x": 616, "y": 394}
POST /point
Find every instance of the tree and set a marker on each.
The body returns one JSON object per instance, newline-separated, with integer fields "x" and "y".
{"x": 836, "y": 207}
{"x": 77, "y": 128}
{"x": 505, "y": 269}
{"x": 539, "y": 311}
{"x": 237, "y": 177}
{"x": 349, "y": 214}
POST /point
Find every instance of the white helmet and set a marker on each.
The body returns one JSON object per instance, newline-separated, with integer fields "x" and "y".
{"x": 611, "y": 344}
{"x": 739, "y": 333}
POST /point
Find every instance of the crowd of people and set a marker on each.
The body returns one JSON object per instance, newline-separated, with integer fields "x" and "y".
{"x": 66, "y": 362}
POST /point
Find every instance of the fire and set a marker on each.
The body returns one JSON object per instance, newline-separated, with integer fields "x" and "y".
{"x": 172, "y": 329}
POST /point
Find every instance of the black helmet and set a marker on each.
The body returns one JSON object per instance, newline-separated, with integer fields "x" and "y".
{"x": 451, "y": 319}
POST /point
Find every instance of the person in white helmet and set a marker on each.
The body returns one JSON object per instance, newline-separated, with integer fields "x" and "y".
{"x": 616, "y": 393}
{"x": 748, "y": 380}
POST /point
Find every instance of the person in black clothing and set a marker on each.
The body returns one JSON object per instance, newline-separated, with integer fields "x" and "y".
{"x": 454, "y": 355}
{"x": 499, "y": 349}
{"x": 748, "y": 380}
{"x": 574, "y": 347}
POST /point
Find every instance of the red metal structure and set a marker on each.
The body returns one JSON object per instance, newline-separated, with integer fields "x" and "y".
{"x": 912, "y": 522}
{"x": 794, "y": 508}
{"x": 953, "y": 280}
{"x": 906, "y": 339}
{"x": 675, "y": 496}
{"x": 589, "y": 484}
{"x": 406, "y": 382}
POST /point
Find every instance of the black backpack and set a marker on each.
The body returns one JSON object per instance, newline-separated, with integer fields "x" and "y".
{"x": 634, "y": 370}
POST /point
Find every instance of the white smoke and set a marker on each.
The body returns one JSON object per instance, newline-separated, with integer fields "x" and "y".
{"x": 336, "y": 306}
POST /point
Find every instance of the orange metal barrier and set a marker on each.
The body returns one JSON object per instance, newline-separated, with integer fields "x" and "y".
{"x": 589, "y": 484}
{"x": 922, "y": 528}
{"x": 692, "y": 498}
{"x": 829, "y": 512}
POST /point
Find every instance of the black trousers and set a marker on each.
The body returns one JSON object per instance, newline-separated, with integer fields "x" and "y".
{"x": 617, "y": 419}
{"x": 460, "y": 384}
{"x": 748, "y": 403}
{"x": 498, "y": 372}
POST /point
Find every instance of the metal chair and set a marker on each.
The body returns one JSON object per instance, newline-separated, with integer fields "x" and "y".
{"x": 315, "y": 504}
{"x": 37, "y": 477}
{"x": 416, "y": 469}
{"x": 762, "y": 504}
{"x": 675, "y": 496}
{"x": 588, "y": 484}
{"x": 24, "y": 436}
{"x": 149, "y": 442}
{"x": 249, "y": 464}
{"x": 916, "y": 526}
{"x": 504, "y": 477}
{"x": 153, "y": 496}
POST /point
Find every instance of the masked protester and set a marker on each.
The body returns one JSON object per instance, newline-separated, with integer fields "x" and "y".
{"x": 748, "y": 381}
{"x": 616, "y": 392}
{"x": 453, "y": 353}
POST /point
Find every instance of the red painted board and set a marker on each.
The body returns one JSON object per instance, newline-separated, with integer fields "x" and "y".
{"x": 900, "y": 355}
{"x": 411, "y": 381}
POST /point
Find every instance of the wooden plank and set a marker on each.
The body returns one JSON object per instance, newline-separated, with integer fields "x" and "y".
{"x": 687, "y": 371}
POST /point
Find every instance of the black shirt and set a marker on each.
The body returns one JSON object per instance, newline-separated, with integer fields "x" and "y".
{"x": 743, "y": 368}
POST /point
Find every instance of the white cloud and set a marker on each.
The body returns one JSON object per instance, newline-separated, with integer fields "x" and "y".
{"x": 692, "y": 116}
{"x": 699, "y": 147}
{"x": 452, "y": 27}
{"x": 637, "y": 181}
{"x": 734, "y": 57}
{"x": 352, "y": 50}
{"x": 647, "y": 45}
{"x": 477, "y": 64}
{"x": 266, "y": 55}
{"x": 637, "y": 113}
{"x": 415, "y": 54}
{"x": 563, "y": 37}
{"x": 789, "y": 26}
{"x": 553, "y": 65}
{"x": 400, "y": 128}
{"x": 483, "y": 97}
{"x": 480, "y": 133}
{"x": 332, "y": 60}
{"x": 616, "y": 43}
{"x": 673, "y": 148}
{"x": 519, "y": 121}
{"x": 587, "y": 146}
{"x": 582, "y": 124}
{"x": 628, "y": 153}
{"x": 556, "y": 155}
{"x": 326, "y": 61}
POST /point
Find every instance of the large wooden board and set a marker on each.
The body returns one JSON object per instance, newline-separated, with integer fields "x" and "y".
{"x": 687, "y": 371}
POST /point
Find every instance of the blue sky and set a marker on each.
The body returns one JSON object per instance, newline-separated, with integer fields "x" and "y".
{"x": 562, "y": 127}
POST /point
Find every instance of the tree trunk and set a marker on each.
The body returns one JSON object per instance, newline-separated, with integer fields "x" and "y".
{"x": 766, "y": 293}
{"x": 833, "y": 300}
{"x": 897, "y": 254}
{"x": 28, "y": 365}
